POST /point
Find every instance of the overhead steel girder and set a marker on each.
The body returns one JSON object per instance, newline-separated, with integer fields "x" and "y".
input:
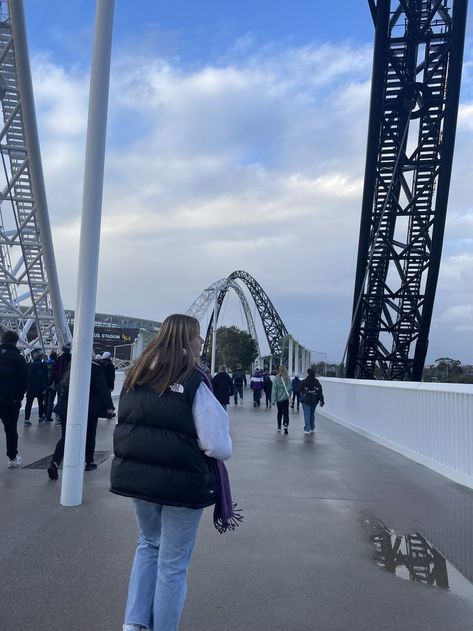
{"x": 200, "y": 306}
{"x": 413, "y": 114}
{"x": 273, "y": 326}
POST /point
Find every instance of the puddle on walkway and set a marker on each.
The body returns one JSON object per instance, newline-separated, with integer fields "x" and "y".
{"x": 412, "y": 557}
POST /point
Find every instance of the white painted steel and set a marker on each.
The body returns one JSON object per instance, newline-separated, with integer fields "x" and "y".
{"x": 214, "y": 333}
{"x": 431, "y": 423}
{"x": 73, "y": 468}
{"x": 199, "y": 307}
{"x": 25, "y": 86}
{"x": 290, "y": 363}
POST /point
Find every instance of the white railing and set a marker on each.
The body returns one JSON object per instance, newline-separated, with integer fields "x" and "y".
{"x": 431, "y": 423}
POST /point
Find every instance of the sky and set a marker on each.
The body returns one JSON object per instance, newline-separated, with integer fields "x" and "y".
{"x": 236, "y": 140}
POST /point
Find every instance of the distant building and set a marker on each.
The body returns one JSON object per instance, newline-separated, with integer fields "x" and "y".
{"x": 116, "y": 333}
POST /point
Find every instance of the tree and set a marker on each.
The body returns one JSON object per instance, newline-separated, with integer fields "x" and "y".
{"x": 235, "y": 346}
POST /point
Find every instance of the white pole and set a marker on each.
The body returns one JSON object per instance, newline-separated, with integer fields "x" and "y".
{"x": 296, "y": 357}
{"x": 290, "y": 363}
{"x": 73, "y": 468}
{"x": 214, "y": 335}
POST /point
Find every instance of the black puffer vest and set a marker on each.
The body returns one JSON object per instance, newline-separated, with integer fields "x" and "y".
{"x": 157, "y": 457}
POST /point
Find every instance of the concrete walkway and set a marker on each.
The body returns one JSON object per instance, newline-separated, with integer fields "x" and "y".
{"x": 302, "y": 560}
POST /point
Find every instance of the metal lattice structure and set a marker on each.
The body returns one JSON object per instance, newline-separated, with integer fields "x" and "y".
{"x": 413, "y": 114}
{"x": 29, "y": 293}
{"x": 273, "y": 326}
{"x": 207, "y": 297}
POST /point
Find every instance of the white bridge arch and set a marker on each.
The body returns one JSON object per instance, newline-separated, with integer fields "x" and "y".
{"x": 210, "y": 296}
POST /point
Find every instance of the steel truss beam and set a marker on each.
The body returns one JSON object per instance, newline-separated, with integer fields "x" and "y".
{"x": 207, "y": 297}
{"x": 413, "y": 114}
{"x": 273, "y": 326}
{"x": 29, "y": 292}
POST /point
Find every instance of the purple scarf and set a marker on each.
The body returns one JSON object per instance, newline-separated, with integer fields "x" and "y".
{"x": 226, "y": 515}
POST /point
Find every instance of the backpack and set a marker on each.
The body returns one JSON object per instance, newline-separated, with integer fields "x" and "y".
{"x": 311, "y": 396}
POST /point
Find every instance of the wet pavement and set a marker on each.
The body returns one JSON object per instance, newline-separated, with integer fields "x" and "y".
{"x": 328, "y": 517}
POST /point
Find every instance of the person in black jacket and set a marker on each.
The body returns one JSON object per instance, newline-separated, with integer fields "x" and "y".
{"x": 311, "y": 394}
{"x": 239, "y": 380}
{"x": 13, "y": 380}
{"x": 37, "y": 385}
{"x": 223, "y": 387}
{"x": 109, "y": 370}
{"x": 170, "y": 428}
{"x": 100, "y": 404}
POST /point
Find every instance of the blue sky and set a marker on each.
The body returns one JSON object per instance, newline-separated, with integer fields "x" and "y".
{"x": 236, "y": 140}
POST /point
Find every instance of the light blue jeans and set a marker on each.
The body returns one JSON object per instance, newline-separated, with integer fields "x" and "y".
{"x": 309, "y": 416}
{"x": 158, "y": 581}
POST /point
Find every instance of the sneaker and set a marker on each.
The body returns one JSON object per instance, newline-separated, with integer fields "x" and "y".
{"x": 278, "y": 429}
{"x": 312, "y": 431}
{"x": 15, "y": 463}
{"x": 134, "y": 627}
{"x": 306, "y": 431}
{"x": 27, "y": 423}
{"x": 41, "y": 420}
{"x": 286, "y": 431}
{"x": 52, "y": 471}
{"x": 48, "y": 420}
{"x": 90, "y": 466}
{"x": 57, "y": 422}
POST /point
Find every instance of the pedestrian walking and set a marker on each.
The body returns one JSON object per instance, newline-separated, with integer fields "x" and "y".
{"x": 268, "y": 388}
{"x": 256, "y": 384}
{"x": 170, "y": 429}
{"x": 13, "y": 381}
{"x": 50, "y": 390}
{"x": 109, "y": 371}
{"x": 280, "y": 395}
{"x": 61, "y": 366}
{"x": 239, "y": 380}
{"x": 223, "y": 387}
{"x": 37, "y": 386}
{"x": 100, "y": 404}
{"x": 311, "y": 394}
{"x": 295, "y": 387}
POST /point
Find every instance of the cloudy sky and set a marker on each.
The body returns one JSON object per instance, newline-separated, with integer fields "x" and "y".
{"x": 236, "y": 140}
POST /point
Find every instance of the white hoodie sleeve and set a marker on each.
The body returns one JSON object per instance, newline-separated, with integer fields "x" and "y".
{"x": 211, "y": 424}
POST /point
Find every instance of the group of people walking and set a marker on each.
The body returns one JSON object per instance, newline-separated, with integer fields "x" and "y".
{"x": 42, "y": 380}
{"x": 279, "y": 390}
{"x": 170, "y": 443}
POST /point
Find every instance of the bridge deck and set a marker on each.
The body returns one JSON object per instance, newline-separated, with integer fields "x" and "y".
{"x": 302, "y": 560}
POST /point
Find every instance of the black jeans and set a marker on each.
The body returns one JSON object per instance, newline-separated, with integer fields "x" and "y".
{"x": 89, "y": 441}
{"x": 238, "y": 390}
{"x": 283, "y": 413}
{"x": 29, "y": 403}
{"x": 49, "y": 402}
{"x": 295, "y": 395}
{"x": 9, "y": 414}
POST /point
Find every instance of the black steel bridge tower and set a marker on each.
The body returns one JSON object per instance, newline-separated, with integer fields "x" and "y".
{"x": 415, "y": 91}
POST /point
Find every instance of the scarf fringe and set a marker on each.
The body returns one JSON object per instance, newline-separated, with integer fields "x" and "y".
{"x": 226, "y": 524}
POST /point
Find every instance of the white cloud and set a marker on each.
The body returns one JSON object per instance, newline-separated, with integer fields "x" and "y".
{"x": 255, "y": 164}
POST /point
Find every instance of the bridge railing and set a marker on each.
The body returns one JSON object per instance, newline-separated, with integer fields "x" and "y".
{"x": 430, "y": 423}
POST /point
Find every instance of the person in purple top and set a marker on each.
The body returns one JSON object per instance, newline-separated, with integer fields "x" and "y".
{"x": 256, "y": 384}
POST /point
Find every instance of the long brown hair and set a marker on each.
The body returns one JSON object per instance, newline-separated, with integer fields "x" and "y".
{"x": 168, "y": 358}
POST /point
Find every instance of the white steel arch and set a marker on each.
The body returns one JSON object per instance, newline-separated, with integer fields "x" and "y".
{"x": 207, "y": 297}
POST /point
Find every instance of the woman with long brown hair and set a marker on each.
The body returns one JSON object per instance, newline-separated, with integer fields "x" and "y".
{"x": 280, "y": 396}
{"x": 170, "y": 429}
